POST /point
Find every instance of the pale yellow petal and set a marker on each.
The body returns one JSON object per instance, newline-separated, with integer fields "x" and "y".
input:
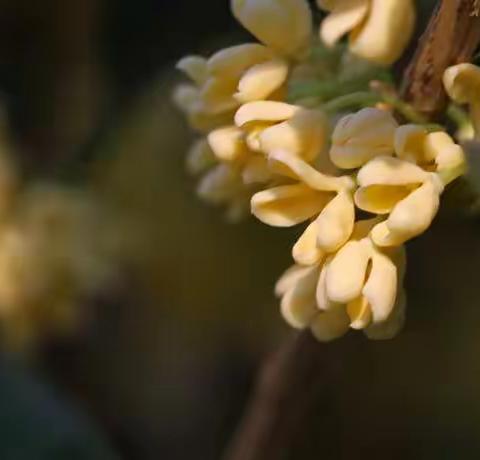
{"x": 386, "y": 32}
{"x": 380, "y": 199}
{"x": 410, "y": 217}
{"x": 219, "y": 184}
{"x": 409, "y": 143}
{"x": 227, "y": 143}
{"x": 195, "y": 67}
{"x": 305, "y": 135}
{"x": 347, "y": 272}
{"x": 283, "y": 162}
{"x": 261, "y": 80}
{"x": 360, "y": 313}
{"x": 283, "y": 25}
{"x": 462, "y": 83}
{"x": 306, "y": 251}
{"x": 289, "y": 278}
{"x": 392, "y": 326}
{"x": 288, "y": 205}
{"x": 217, "y": 95}
{"x": 231, "y": 63}
{"x": 271, "y": 111}
{"x": 323, "y": 301}
{"x": 335, "y": 223}
{"x": 185, "y": 96}
{"x": 330, "y": 324}
{"x": 298, "y": 305}
{"x": 380, "y": 290}
{"x": 344, "y": 17}
{"x": 391, "y": 171}
{"x": 441, "y": 148}
{"x": 359, "y": 137}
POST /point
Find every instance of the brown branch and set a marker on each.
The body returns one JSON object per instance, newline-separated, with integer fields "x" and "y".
{"x": 451, "y": 37}
{"x": 295, "y": 378}
{"x": 288, "y": 386}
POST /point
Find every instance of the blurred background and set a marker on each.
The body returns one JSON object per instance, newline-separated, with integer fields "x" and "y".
{"x": 165, "y": 357}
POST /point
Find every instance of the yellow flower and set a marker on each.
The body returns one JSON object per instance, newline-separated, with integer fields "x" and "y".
{"x": 283, "y": 25}
{"x": 354, "y": 288}
{"x": 230, "y": 77}
{"x": 271, "y": 126}
{"x": 410, "y": 195}
{"x": 326, "y": 199}
{"x": 462, "y": 83}
{"x": 361, "y": 136}
{"x": 379, "y": 30}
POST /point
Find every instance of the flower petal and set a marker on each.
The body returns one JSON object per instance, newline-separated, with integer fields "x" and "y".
{"x": 393, "y": 21}
{"x": 217, "y": 95}
{"x": 323, "y": 302}
{"x": 392, "y": 326}
{"x": 261, "y": 80}
{"x": 390, "y": 171}
{"x": 335, "y": 223}
{"x": 199, "y": 157}
{"x": 360, "y": 313}
{"x": 298, "y": 305}
{"x": 441, "y": 148}
{"x": 380, "y": 290}
{"x": 289, "y": 278}
{"x": 227, "y": 143}
{"x": 283, "y": 25}
{"x": 344, "y": 17}
{"x": 230, "y": 63}
{"x": 359, "y": 137}
{"x": 283, "y": 162}
{"x": 271, "y": 111}
{"x": 330, "y": 324}
{"x": 347, "y": 272}
{"x": 462, "y": 82}
{"x": 304, "y": 135}
{"x": 219, "y": 184}
{"x": 380, "y": 199}
{"x": 195, "y": 67}
{"x": 409, "y": 143}
{"x": 288, "y": 205}
{"x": 306, "y": 251}
{"x": 410, "y": 217}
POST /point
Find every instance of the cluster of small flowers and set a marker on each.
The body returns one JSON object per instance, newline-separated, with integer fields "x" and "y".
{"x": 51, "y": 258}
{"x": 285, "y": 161}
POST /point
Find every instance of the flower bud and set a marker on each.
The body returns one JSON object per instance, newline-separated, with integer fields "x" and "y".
{"x": 359, "y": 137}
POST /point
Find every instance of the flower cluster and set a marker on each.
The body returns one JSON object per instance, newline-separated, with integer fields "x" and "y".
{"x": 363, "y": 183}
{"x": 347, "y": 273}
{"x": 236, "y": 98}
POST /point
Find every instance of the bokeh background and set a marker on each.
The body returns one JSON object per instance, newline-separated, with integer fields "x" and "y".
{"x": 164, "y": 366}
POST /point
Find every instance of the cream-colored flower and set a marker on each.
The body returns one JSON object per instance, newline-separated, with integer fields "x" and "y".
{"x": 271, "y": 126}
{"x": 354, "y": 288}
{"x": 314, "y": 195}
{"x": 379, "y": 30}
{"x": 361, "y": 136}
{"x": 230, "y": 77}
{"x": 462, "y": 83}
{"x": 283, "y": 25}
{"x": 403, "y": 190}
{"x": 435, "y": 151}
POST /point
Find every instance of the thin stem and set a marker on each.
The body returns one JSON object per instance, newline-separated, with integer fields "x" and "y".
{"x": 348, "y": 101}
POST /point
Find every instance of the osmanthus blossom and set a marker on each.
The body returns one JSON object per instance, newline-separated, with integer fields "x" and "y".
{"x": 408, "y": 187}
{"x": 325, "y": 199}
{"x": 378, "y": 30}
{"x": 462, "y": 84}
{"x": 262, "y": 127}
{"x": 357, "y": 287}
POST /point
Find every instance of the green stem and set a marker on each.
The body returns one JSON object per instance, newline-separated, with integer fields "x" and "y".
{"x": 353, "y": 100}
